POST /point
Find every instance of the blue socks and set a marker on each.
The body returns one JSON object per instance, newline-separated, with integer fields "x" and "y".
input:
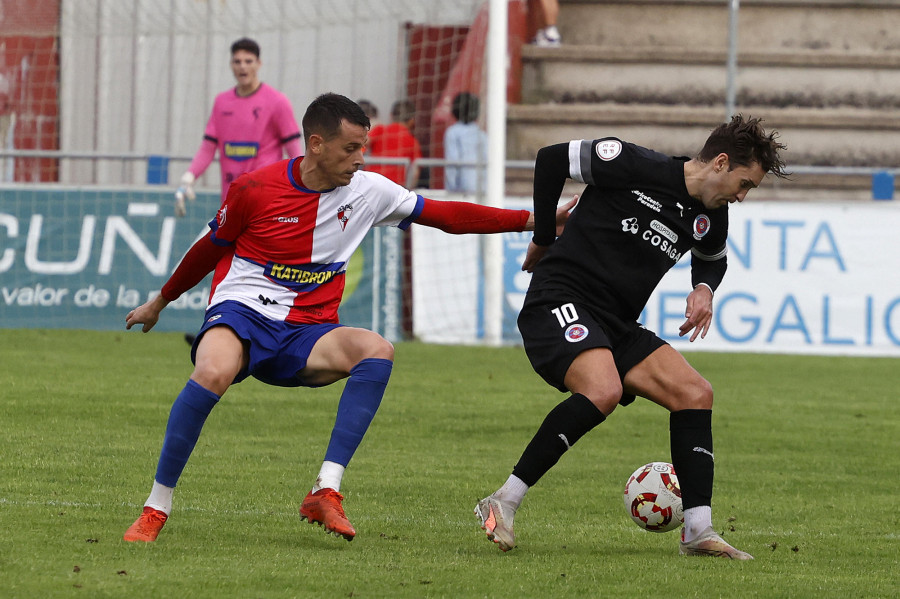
{"x": 359, "y": 402}
{"x": 186, "y": 419}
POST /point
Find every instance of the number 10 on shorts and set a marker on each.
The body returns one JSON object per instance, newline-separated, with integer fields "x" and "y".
{"x": 565, "y": 314}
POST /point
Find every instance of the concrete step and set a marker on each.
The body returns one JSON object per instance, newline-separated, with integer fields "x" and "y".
{"x": 862, "y": 26}
{"x": 691, "y": 76}
{"x": 814, "y": 136}
{"x": 824, "y": 73}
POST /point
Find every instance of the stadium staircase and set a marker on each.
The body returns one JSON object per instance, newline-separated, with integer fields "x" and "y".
{"x": 825, "y": 73}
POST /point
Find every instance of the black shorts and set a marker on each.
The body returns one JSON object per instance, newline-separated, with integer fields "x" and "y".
{"x": 555, "y": 331}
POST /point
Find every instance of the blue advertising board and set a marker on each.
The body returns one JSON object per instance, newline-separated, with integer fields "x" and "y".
{"x": 83, "y": 257}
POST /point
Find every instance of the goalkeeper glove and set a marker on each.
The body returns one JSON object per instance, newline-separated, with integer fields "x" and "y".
{"x": 185, "y": 190}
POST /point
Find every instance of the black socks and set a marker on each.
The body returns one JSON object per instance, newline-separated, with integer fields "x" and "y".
{"x": 570, "y": 420}
{"x": 692, "y": 455}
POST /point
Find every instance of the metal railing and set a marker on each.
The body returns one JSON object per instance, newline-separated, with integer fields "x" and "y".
{"x": 412, "y": 167}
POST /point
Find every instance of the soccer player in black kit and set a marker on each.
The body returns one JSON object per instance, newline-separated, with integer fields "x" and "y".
{"x": 639, "y": 214}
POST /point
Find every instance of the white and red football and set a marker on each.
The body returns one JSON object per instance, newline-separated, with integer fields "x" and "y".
{"x": 653, "y": 497}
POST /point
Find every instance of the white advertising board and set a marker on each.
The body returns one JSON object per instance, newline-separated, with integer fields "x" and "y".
{"x": 802, "y": 278}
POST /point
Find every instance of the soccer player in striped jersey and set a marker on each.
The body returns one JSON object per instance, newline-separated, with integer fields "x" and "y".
{"x": 640, "y": 212}
{"x": 279, "y": 246}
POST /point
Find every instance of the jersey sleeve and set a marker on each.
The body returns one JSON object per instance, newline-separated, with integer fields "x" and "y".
{"x": 294, "y": 147}
{"x": 288, "y": 131}
{"x": 604, "y": 162}
{"x": 211, "y": 132}
{"x": 235, "y": 212}
{"x": 204, "y": 157}
{"x": 207, "y": 151}
{"x": 465, "y": 217}
{"x": 709, "y": 255}
{"x": 392, "y": 204}
{"x": 199, "y": 261}
{"x": 551, "y": 169}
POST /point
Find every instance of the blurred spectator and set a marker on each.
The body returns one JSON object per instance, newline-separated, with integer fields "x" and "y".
{"x": 464, "y": 141}
{"x": 395, "y": 141}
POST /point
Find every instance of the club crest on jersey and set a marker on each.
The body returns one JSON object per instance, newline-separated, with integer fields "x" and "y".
{"x": 576, "y": 332}
{"x": 701, "y": 226}
{"x": 221, "y": 216}
{"x": 609, "y": 149}
{"x": 343, "y": 215}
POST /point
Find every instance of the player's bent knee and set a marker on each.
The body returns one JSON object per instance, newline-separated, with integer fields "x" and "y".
{"x": 605, "y": 400}
{"x": 697, "y": 396}
{"x": 380, "y": 349}
{"x": 213, "y": 379}
{"x": 383, "y": 350}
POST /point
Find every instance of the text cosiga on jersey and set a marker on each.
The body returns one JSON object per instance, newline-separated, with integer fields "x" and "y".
{"x": 609, "y": 149}
{"x": 701, "y": 226}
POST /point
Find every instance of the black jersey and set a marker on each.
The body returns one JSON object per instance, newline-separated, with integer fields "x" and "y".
{"x": 633, "y": 222}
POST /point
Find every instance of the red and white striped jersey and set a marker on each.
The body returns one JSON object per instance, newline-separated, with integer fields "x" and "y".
{"x": 291, "y": 244}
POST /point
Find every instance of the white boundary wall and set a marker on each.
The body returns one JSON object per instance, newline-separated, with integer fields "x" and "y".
{"x": 802, "y": 278}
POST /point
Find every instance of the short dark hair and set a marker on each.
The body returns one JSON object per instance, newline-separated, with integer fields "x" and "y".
{"x": 745, "y": 141}
{"x": 465, "y": 107}
{"x": 325, "y": 114}
{"x": 245, "y": 43}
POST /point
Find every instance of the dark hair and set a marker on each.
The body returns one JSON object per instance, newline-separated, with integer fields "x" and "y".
{"x": 369, "y": 108}
{"x": 402, "y": 111}
{"x": 465, "y": 107}
{"x": 325, "y": 114}
{"x": 745, "y": 142}
{"x": 245, "y": 43}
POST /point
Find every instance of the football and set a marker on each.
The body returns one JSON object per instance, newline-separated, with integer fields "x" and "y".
{"x": 653, "y": 497}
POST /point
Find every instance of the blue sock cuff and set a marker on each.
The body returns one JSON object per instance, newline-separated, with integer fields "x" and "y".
{"x": 373, "y": 369}
{"x": 198, "y": 397}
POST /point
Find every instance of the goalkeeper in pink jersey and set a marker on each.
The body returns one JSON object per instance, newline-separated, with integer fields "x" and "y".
{"x": 280, "y": 245}
{"x": 251, "y": 125}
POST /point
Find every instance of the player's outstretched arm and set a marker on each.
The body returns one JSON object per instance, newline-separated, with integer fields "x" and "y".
{"x": 465, "y": 217}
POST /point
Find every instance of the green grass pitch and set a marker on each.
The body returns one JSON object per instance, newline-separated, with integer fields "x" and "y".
{"x": 807, "y": 459}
